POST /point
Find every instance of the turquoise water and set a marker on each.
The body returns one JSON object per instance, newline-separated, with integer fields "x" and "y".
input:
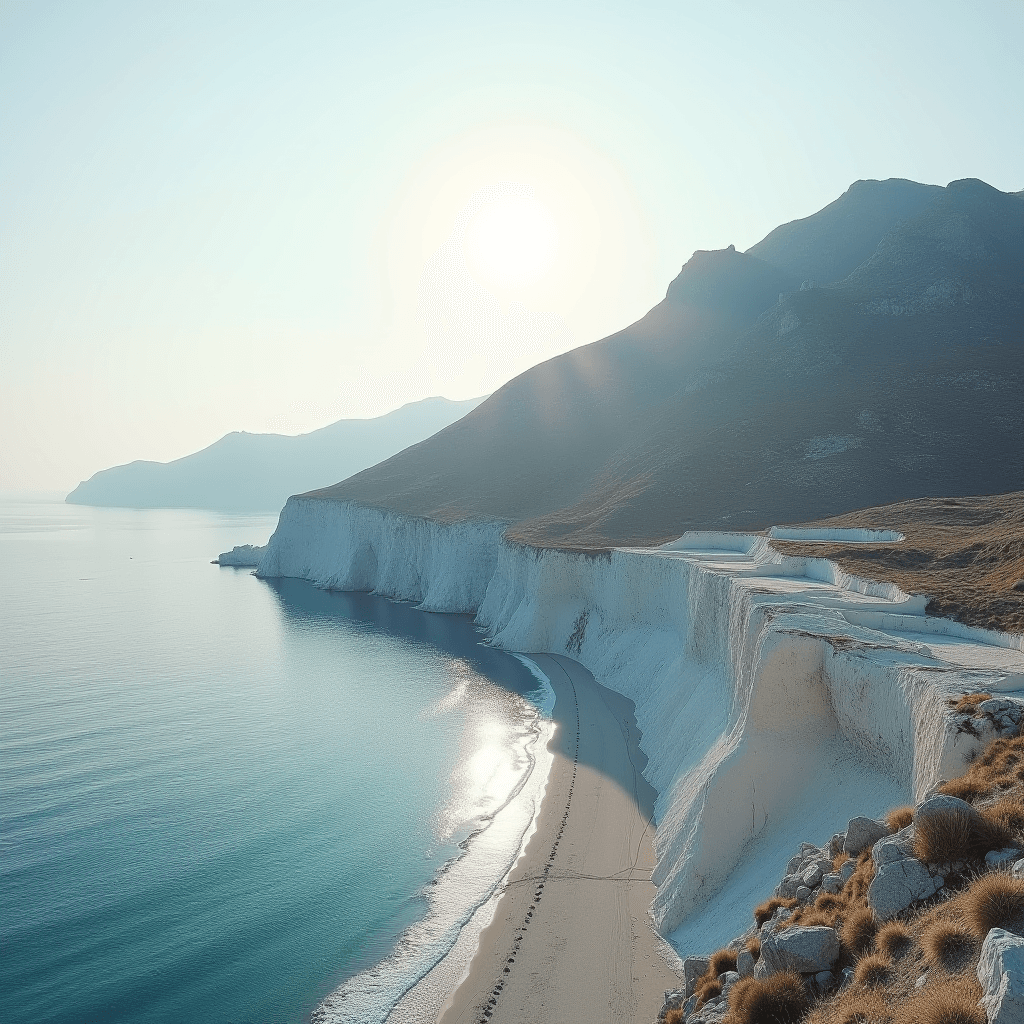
{"x": 223, "y": 797}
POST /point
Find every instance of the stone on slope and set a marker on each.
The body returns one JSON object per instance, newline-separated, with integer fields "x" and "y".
{"x": 812, "y": 875}
{"x": 674, "y": 999}
{"x": 898, "y": 846}
{"x": 694, "y": 967}
{"x": 835, "y": 845}
{"x": 832, "y": 882}
{"x": 862, "y": 833}
{"x": 745, "y": 963}
{"x": 1001, "y": 973}
{"x": 1001, "y": 858}
{"x": 789, "y": 885}
{"x": 805, "y": 950}
{"x": 899, "y": 883}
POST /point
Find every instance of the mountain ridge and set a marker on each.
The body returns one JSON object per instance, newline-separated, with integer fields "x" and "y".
{"x": 735, "y": 405}
{"x": 254, "y": 472}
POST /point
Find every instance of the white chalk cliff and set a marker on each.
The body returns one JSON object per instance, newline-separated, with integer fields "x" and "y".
{"x": 777, "y": 696}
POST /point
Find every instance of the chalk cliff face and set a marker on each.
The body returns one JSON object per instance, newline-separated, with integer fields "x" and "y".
{"x": 774, "y": 694}
{"x": 868, "y": 354}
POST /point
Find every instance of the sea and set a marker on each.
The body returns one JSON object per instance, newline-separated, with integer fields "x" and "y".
{"x": 228, "y": 799}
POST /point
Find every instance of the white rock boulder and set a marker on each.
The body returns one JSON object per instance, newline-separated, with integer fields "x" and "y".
{"x": 745, "y": 963}
{"x": 1001, "y": 973}
{"x": 805, "y": 950}
{"x": 863, "y": 833}
{"x": 1002, "y": 858}
{"x": 898, "y": 846}
{"x": 899, "y": 883}
{"x": 694, "y": 967}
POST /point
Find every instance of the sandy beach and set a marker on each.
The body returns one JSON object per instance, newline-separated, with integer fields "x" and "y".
{"x": 571, "y": 937}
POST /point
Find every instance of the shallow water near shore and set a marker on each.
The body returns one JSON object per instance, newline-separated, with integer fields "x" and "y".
{"x": 223, "y": 797}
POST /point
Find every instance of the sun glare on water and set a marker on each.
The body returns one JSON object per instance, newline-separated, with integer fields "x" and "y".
{"x": 511, "y": 242}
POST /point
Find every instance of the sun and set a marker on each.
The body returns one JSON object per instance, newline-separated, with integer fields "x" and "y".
{"x": 511, "y": 242}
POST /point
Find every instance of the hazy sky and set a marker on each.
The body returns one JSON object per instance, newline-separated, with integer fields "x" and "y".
{"x": 266, "y": 216}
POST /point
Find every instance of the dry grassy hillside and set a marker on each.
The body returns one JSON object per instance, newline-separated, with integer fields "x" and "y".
{"x": 967, "y": 554}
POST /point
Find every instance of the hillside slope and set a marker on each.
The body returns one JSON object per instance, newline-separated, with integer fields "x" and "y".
{"x": 744, "y": 400}
{"x": 966, "y": 554}
{"x": 257, "y": 472}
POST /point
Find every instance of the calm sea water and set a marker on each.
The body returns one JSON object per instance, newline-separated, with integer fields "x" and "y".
{"x": 222, "y": 797}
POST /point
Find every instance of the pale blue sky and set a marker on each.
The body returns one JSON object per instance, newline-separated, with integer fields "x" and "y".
{"x": 226, "y": 215}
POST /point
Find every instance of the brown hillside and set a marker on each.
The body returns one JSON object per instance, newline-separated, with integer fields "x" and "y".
{"x": 967, "y": 554}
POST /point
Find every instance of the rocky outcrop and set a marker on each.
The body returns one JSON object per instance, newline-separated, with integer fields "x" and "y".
{"x": 898, "y": 884}
{"x": 900, "y": 881}
{"x": 1001, "y": 973}
{"x": 804, "y": 950}
{"x": 242, "y": 556}
{"x": 862, "y": 834}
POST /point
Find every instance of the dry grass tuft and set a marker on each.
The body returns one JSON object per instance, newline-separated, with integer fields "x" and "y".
{"x": 874, "y": 970}
{"x": 854, "y": 1006}
{"x": 856, "y": 888}
{"x": 965, "y": 789}
{"x": 958, "y": 835}
{"x": 808, "y": 917}
{"x": 995, "y": 900}
{"x": 754, "y": 946}
{"x": 1007, "y": 814}
{"x": 765, "y": 911}
{"x": 1000, "y": 767}
{"x": 894, "y": 940}
{"x": 826, "y": 903}
{"x": 839, "y": 860}
{"x": 780, "y": 999}
{"x": 722, "y": 961}
{"x": 950, "y": 1001}
{"x": 968, "y": 702}
{"x": 708, "y": 986}
{"x": 675, "y": 1016}
{"x": 825, "y": 910}
{"x": 899, "y": 817}
{"x": 948, "y": 945}
{"x": 705, "y": 990}
{"x": 858, "y": 930}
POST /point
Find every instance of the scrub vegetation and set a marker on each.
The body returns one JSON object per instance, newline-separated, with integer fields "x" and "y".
{"x": 919, "y": 968}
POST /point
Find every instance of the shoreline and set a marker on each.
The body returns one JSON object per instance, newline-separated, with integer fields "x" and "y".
{"x": 548, "y": 954}
{"x": 740, "y": 663}
{"x": 411, "y": 982}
